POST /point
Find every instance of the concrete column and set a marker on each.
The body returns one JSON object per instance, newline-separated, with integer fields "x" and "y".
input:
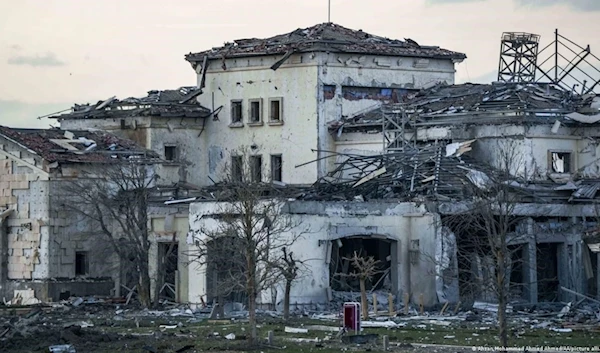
{"x": 530, "y": 271}
{"x": 563, "y": 270}
{"x": 404, "y": 257}
{"x": 394, "y": 269}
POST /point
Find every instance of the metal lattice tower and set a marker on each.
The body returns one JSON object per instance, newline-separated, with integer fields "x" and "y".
{"x": 518, "y": 57}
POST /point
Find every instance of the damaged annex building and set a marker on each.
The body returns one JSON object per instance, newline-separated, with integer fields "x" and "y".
{"x": 46, "y": 249}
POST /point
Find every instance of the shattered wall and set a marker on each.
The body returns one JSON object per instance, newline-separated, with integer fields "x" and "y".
{"x": 293, "y": 137}
{"x": 315, "y": 88}
{"x": 186, "y": 136}
{"x": 408, "y": 227}
{"x": 43, "y": 239}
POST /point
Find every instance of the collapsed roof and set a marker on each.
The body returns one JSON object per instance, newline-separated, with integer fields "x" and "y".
{"x": 324, "y": 37}
{"x": 55, "y": 145}
{"x": 177, "y": 103}
{"x": 448, "y": 104}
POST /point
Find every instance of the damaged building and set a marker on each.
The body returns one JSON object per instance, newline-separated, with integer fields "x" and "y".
{"x": 278, "y": 94}
{"x": 389, "y": 146}
{"x": 393, "y": 202}
{"x": 47, "y": 251}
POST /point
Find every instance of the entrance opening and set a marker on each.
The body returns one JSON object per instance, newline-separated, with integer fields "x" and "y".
{"x": 517, "y": 272}
{"x": 547, "y": 272}
{"x": 225, "y": 273}
{"x": 340, "y": 266}
{"x": 168, "y": 259}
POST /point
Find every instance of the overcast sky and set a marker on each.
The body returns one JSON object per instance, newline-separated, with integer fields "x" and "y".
{"x": 54, "y": 53}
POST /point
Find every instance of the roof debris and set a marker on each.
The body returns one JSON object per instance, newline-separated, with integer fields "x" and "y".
{"x": 55, "y": 145}
{"x": 329, "y": 37}
{"x": 169, "y": 103}
{"x": 443, "y": 104}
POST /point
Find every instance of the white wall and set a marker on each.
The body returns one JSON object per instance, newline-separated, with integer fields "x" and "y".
{"x": 294, "y": 139}
{"x": 326, "y": 221}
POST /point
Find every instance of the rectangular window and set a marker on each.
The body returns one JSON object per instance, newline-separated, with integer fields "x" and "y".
{"x": 276, "y": 165}
{"x": 560, "y": 162}
{"x": 81, "y": 263}
{"x": 237, "y": 165}
{"x": 328, "y": 92}
{"x": 170, "y": 153}
{"x": 256, "y": 168}
{"x": 236, "y": 111}
{"x": 255, "y": 113}
{"x": 276, "y": 110}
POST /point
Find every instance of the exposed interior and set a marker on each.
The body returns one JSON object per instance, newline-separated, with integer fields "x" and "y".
{"x": 340, "y": 266}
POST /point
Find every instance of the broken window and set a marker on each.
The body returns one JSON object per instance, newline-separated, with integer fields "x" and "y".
{"x": 328, "y": 92}
{"x": 81, "y": 263}
{"x": 255, "y": 111}
{"x": 275, "y": 110}
{"x": 236, "y": 168}
{"x": 168, "y": 270}
{"x": 236, "y": 111}
{"x": 340, "y": 265}
{"x": 395, "y": 95}
{"x": 256, "y": 168}
{"x": 170, "y": 153}
{"x": 560, "y": 162}
{"x": 276, "y": 164}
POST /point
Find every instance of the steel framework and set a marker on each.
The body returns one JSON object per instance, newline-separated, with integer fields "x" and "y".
{"x": 518, "y": 57}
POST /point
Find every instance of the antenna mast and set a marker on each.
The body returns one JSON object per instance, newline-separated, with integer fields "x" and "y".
{"x": 328, "y": 11}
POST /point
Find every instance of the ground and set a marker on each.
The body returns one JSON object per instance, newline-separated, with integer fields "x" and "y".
{"x": 107, "y": 328}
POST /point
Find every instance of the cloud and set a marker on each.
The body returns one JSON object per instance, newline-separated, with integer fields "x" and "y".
{"x": 580, "y": 5}
{"x": 17, "y": 113}
{"x": 15, "y": 47}
{"x": 48, "y": 59}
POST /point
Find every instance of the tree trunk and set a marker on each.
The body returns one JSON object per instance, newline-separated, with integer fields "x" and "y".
{"x": 144, "y": 287}
{"x": 502, "y": 300}
{"x": 286, "y": 300}
{"x": 363, "y": 299}
{"x": 251, "y": 289}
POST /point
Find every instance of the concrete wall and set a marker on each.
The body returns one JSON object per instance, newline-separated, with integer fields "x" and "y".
{"x": 187, "y": 135}
{"x": 293, "y": 139}
{"x": 301, "y": 81}
{"x": 321, "y": 222}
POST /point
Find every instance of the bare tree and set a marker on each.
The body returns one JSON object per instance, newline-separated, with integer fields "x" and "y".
{"x": 289, "y": 268}
{"x": 115, "y": 198}
{"x": 365, "y": 267}
{"x": 242, "y": 248}
{"x": 486, "y": 228}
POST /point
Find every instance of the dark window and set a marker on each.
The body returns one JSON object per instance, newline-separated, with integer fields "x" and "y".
{"x": 328, "y": 92}
{"x": 170, "y": 153}
{"x": 81, "y": 263}
{"x": 256, "y": 168}
{"x": 236, "y": 168}
{"x": 236, "y": 111}
{"x": 276, "y": 167}
{"x": 375, "y": 93}
{"x": 255, "y": 111}
{"x": 275, "y": 110}
{"x": 560, "y": 162}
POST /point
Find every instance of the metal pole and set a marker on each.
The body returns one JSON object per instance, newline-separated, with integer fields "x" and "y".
{"x": 556, "y": 56}
{"x": 328, "y": 11}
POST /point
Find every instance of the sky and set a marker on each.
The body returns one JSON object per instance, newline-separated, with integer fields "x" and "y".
{"x": 54, "y": 53}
